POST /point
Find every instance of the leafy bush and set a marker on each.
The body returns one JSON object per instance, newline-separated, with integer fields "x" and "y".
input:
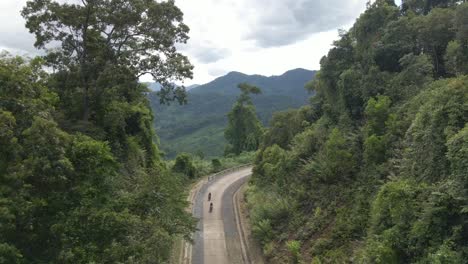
{"x": 294, "y": 248}
{"x": 216, "y": 164}
{"x": 263, "y": 231}
{"x": 335, "y": 161}
{"x": 269, "y": 212}
{"x": 184, "y": 164}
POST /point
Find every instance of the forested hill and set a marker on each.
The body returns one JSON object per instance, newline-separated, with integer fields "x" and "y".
{"x": 375, "y": 169}
{"x": 198, "y": 127}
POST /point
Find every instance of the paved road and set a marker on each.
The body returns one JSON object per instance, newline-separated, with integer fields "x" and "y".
{"x": 218, "y": 240}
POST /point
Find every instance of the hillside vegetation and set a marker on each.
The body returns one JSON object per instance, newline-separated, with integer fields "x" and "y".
{"x": 81, "y": 178}
{"x": 198, "y": 127}
{"x": 375, "y": 169}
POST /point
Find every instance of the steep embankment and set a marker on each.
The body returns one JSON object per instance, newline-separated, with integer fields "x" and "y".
{"x": 198, "y": 127}
{"x": 375, "y": 170}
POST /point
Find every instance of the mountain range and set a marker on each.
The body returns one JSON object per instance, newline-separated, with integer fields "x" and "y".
{"x": 198, "y": 127}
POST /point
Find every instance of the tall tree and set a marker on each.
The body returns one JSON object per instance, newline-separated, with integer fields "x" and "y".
{"x": 244, "y": 130}
{"x": 98, "y": 36}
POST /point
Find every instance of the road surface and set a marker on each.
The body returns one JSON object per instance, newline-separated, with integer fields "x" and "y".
{"x": 218, "y": 239}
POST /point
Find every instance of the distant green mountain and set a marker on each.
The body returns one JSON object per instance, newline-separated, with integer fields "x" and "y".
{"x": 198, "y": 127}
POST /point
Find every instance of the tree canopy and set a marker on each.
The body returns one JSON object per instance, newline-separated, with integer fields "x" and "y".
{"x": 99, "y": 37}
{"x": 244, "y": 130}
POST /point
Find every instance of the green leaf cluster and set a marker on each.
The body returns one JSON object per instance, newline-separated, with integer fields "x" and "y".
{"x": 184, "y": 164}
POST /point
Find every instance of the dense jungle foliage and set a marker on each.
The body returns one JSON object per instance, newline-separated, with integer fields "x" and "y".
{"x": 81, "y": 178}
{"x": 375, "y": 169}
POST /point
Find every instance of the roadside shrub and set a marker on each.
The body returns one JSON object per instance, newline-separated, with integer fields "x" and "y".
{"x": 269, "y": 249}
{"x": 184, "y": 165}
{"x": 216, "y": 164}
{"x": 263, "y": 231}
{"x": 294, "y": 248}
{"x": 334, "y": 162}
{"x": 269, "y": 212}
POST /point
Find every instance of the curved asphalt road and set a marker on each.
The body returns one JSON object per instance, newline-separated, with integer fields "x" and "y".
{"x": 218, "y": 240}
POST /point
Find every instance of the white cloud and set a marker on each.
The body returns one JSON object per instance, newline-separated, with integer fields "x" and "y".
{"x": 13, "y": 35}
{"x": 282, "y": 22}
{"x": 205, "y": 51}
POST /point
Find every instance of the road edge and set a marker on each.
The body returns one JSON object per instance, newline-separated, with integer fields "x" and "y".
{"x": 186, "y": 249}
{"x": 240, "y": 224}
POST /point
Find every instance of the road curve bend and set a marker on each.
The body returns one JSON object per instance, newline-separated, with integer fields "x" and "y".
{"x": 218, "y": 239}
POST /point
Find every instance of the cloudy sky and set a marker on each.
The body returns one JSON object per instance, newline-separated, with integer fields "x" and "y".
{"x": 265, "y": 37}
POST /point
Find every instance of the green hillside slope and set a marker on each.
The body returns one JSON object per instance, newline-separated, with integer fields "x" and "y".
{"x": 198, "y": 127}
{"x": 375, "y": 169}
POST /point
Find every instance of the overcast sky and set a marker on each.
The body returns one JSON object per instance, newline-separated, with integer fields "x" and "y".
{"x": 265, "y": 37}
